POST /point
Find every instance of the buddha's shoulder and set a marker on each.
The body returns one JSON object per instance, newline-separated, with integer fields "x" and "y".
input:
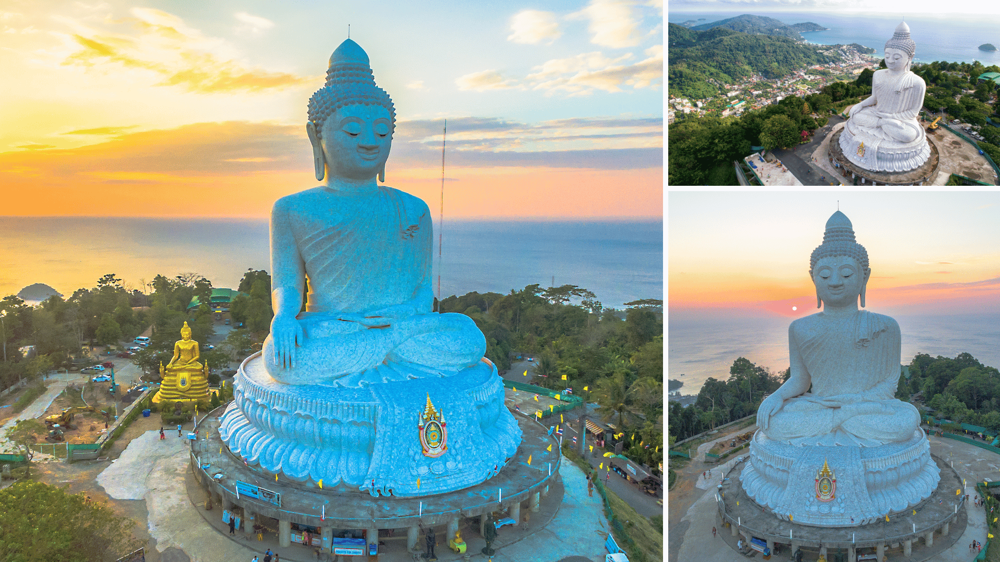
{"x": 414, "y": 205}
{"x": 302, "y": 199}
{"x": 880, "y": 320}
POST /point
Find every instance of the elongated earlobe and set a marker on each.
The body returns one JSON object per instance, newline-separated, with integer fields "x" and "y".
{"x": 819, "y": 301}
{"x": 381, "y": 174}
{"x": 863, "y": 288}
{"x": 319, "y": 163}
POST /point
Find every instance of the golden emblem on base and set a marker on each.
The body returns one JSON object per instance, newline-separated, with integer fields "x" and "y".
{"x": 826, "y": 483}
{"x": 433, "y": 431}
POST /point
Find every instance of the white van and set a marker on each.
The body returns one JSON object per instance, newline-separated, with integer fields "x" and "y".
{"x": 142, "y": 340}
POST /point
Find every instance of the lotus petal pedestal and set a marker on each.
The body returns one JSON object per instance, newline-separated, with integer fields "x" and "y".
{"x": 867, "y": 482}
{"x": 370, "y": 438}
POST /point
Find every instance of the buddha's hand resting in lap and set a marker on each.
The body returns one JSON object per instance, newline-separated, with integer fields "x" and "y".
{"x": 286, "y": 333}
{"x": 769, "y": 407}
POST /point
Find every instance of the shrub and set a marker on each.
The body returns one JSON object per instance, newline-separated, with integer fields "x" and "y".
{"x": 213, "y": 379}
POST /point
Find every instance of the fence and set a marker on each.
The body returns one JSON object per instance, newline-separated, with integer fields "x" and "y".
{"x": 619, "y": 530}
{"x": 571, "y": 401}
{"x": 55, "y": 449}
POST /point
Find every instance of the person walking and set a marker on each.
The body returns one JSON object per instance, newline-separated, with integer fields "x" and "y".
{"x": 713, "y": 532}
{"x": 590, "y": 484}
{"x": 179, "y": 430}
{"x": 232, "y": 524}
{"x": 162, "y": 436}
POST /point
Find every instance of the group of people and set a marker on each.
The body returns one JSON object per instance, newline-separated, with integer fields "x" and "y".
{"x": 976, "y": 546}
{"x": 180, "y": 433}
{"x": 268, "y": 557}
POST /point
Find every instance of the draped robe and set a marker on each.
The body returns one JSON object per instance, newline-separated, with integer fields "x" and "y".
{"x": 362, "y": 253}
{"x": 854, "y": 365}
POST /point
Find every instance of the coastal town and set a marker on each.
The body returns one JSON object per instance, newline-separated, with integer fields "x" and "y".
{"x": 756, "y": 91}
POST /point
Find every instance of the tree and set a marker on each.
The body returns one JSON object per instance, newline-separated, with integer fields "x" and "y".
{"x": 109, "y": 332}
{"x": 641, "y": 326}
{"x": 239, "y": 344}
{"x": 23, "y": 435}
{"x": 42, "y": 523}
{"x": 779, "y": 132}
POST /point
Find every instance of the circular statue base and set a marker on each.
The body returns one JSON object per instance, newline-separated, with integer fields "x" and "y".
{"x": 403, "y": 438}
{"x": 224, "y": 473}
{"x": 943, "y": 512}
{"x": 923, "y": 175}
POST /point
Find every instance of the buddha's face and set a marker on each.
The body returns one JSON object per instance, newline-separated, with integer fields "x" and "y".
{"x": 838, "y": 280}
{"x": 896, "y": 59}
{"x": 186, "y": 335}
{"x": 356, "y": 141}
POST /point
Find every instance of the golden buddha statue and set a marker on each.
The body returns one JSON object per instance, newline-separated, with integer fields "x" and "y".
{"x": 184, "y": 378}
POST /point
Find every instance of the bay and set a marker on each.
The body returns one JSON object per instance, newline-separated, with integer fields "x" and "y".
{"x": 619, "y": 261}
{"x": 705, "y": 345}
{"x": 939, "y": 37}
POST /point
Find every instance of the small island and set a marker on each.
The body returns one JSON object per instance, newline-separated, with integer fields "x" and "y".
{"x": 807, "y": 27}
{"x": 987, "y": 47}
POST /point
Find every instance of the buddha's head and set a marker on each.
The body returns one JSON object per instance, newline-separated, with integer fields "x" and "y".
{"x": 351, "y": 120}
{"x": 185, "y": 332}
{"x": 900, "y": 49}
{"x": 839, "y": 266}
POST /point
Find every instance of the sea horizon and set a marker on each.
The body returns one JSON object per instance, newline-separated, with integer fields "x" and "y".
{"x": 619, "y": 260}
{"x": 700, "y": 348}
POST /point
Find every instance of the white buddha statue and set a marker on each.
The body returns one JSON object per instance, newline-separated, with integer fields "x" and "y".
{"x": 883, "y": 134}
{"x": 845, "y": 362}
{"x": 365, "y": 251}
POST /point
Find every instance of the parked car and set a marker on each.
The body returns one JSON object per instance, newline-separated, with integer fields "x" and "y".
{"x": 135, "y": 349}
{"x": 108, "y": 365}
{"x": 142, "y": 340}
{"x": 101, "y": 378}
{"x": 124, "y": 354}
{"x": 209, "y": 346}
{"x": 94, "y": 368}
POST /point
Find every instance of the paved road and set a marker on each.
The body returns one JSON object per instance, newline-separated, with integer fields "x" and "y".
{"x": 799, "y": 158}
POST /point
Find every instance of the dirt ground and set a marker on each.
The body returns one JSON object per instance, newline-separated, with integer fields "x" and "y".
{"x": 7, "y": 404}
{"x": 86, "y": 426}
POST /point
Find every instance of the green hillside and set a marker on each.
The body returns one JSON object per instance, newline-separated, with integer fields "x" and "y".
{"x": 760, "y": 25}
{"x": 726, "y": 56}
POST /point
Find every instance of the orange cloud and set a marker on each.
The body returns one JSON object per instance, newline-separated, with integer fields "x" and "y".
{"x": 240, "y": 168}
{"x": 179, "y": 55}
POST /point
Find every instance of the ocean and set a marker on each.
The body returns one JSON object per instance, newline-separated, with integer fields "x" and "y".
{"x": 703, "y": 346}
{"x": 951, "y": 38}
{"x": 619, "y": 261}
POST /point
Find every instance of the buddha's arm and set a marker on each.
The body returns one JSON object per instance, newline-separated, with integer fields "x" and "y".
{"x": 288, "y": 282}
{"x": 798, "y": 383}
{"x": 177, "y": 354}
{"x": 196, "y": 353}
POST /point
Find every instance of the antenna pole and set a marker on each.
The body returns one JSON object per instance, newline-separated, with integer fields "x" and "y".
{"x": 444, "y": 138}
{"x": 348, "y": 31}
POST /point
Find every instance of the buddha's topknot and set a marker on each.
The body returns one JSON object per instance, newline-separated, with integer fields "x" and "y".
{"x": 349, "y": 81}
{"x": 838, "y": 240}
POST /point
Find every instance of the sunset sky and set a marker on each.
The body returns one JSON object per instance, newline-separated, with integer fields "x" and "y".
{"x": 198, "y": 109}
{"x": 930, "y": 252}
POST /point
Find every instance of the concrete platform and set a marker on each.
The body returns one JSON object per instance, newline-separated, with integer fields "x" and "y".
{"x": 936, "y": 519}
{"x": 972, "y": 464}
{"x": 919, "y": 176}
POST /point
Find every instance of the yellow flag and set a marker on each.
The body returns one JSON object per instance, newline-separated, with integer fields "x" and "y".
{"x": 418, "y": 483}
{"x": 790, "y": 518}
{"x": 914, "y": 512}
{"x": 641, "y": 443}
{"x": 557, "y": 397}
{"x": 564, "y": 377}
{"x": 657, "y": 449}
{"x": 958, "y": 492}
{"x": 525, "y": 372}
{"x": 320, "y": 483}
{"x": 561, "y": 418}
{"x": 737, "y": 503}
{"x": 994, "y": 519}
{"x": 539, "y": 414}
{"x": 632, "y": 438}
{"x": 536, "y": 398}
{"x": 515, "y": 388}
{"x": 600, "y": 467}
{"x": 552, "y": 408}
{"x": 529, "y": 459}
{"x": 591, "y": 448}
{"x": 887, "y": 517}
{"x": 557, "y": 428}
{"x": 220, "y": 450}
{"x": 549, "y": 449}
{"x": 275, "y": 476}
{"x": 586, "y": 388}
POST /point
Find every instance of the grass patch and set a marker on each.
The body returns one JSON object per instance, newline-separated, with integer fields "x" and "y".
{"x": 28, "y": 397}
